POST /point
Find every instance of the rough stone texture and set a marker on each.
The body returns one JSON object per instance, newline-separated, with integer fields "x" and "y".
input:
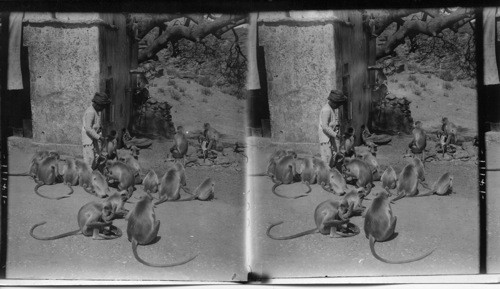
{"x": 392, "y": 114}
{"x": 300, "y": 74}
{"x": 68, "y": 64}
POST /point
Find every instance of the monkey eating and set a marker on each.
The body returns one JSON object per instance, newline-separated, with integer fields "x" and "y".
{"x": 350, "y": 205}
{"x": 212, "y": 136}
{"x": 285, "y": 173}
{"x": 329, "y": 221}
{"x": 142, "y": 229}
{"x": 121, "y": 173}
{"x": 380, "y": 224}
{"x": 48, "y": 174}
{"x": 359, "y": 170}
{"x": 94, "y": 219}
{"x": 337, "y": 182}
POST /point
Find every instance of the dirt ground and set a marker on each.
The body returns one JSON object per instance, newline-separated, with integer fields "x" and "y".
{"x": 213, "y": 230}
{"x": 423, "y": 224}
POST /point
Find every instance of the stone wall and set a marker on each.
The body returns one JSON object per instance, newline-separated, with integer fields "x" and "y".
{"x": 392, "y": 114}
{"x": 300, "y": 66}
{"x": 69, "y": 58}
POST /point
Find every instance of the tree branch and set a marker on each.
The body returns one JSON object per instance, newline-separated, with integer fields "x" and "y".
{"x": 193, "y": 33}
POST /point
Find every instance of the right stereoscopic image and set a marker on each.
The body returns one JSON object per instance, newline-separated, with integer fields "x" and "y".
{"x": 363, "y": 143}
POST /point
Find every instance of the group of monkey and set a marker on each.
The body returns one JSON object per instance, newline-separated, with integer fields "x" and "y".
{"x": 331, "y": 216}
{"x": 95, "y": 218}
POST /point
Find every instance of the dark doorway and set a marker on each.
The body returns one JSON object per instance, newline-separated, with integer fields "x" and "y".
{"x": 258, "y": 101}
{"x": 19, "y": 102}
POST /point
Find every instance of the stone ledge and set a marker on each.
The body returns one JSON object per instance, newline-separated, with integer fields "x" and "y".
{"x": 29, "y": 146}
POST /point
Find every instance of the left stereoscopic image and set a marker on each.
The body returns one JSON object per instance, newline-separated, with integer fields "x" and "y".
{"x": 126, "y": 146}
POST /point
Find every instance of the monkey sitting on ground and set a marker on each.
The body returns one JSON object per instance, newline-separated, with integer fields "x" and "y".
{"x": 204, "y": 192}
{"x": 306, "y": 170}
{"x": 212, "y": 136}
{"x": 117, "y": 202}
{"x": 94, "y": 219}
{"x": 151, "y": 182}
{"x": 407, "y": 185}
{"x": 48, "y": 174}
{"x": 180, "y": 147}
{"x": 389, "y": 179}
{"x": 419, "y": 141}
{"x": 285, "y": 172}
{"x": 329, "y": 221}
{"x": 450, "y": 131}
{"x": 352, "y": 202}
{"x": 361, "y": 171}
{"x": 123, "y": 174}
{"x": 380, "y": 224}
{"x": 273, "y": 159}
{"x": 100, "y": 185}
{"x": 442, "y": 186}
{"x": 142, "y": 229}
{"x": 170, "y": 187}
{"x": 35, "y": 162}
{"x": 338, "y": 184}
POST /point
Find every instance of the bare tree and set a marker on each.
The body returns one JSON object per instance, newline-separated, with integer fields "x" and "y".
{"x": 413, "y": 22}
{"x": 173, "y": 27}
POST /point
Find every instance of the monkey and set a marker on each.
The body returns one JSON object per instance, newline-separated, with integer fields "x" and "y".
{"x": 204, "y": 192}
{"x": 442, "y": 142}
{"x": 348, "y": 145}
{"x": 352, "y": 202}
{"x": 170, "y": 186}
{"x": 450, "y": 131}
{"x": 337, "y": 182}
{"x": 35, "y": 161}
{"x": 100, "y": 185}
{"x": 122, "y": 173}
{"x": 111, "y": 145}
{"x": 117, "y": 202}
{"x": 48, "y": 174}
{"x": 273, "y": 159}
{"x": 361, "y": 171}
{"x": 142, "y": 229}
{"x": 133, "y": 163}
{"x": 70, "y": 173}
{"x": 324, "y": 176}
{"x": 442, "y": 186}
{"x": 329, "y": 221}
{"x": 372, "y": 162}
{"x": 366, "y": 137}
{"x": 407, "y": 185}
{"x": 307, "y": 172}
{"x": 380, "y": 224}
{"x": 419, "y": 141}
{"x": 285, "y": 173}
{"x": 389, "y": 179}
{"x": 212, "y": 136}
{"x": 151, "y": 182}
{"x": 84, "y": 176}
{"x": 93, "y": 219}
{"x": 421, "y": 172}
{"x": 180, "y": 147}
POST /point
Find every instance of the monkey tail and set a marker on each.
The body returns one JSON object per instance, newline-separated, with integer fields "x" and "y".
{"x": 134, "y": 249}
{"x": 268, "y": 232}
{"x": 75, "y": 232}
{"x": 429, "y": 193}
{"x": 424, "y": 184}
{"x": 281, "y": 196}
{"x": 372, "y": 248}
{"x": 51, "y": 198}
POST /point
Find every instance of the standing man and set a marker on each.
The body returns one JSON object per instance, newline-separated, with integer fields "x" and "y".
{"x": 329, "y": 126}
{"x": 91, "y": 128}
